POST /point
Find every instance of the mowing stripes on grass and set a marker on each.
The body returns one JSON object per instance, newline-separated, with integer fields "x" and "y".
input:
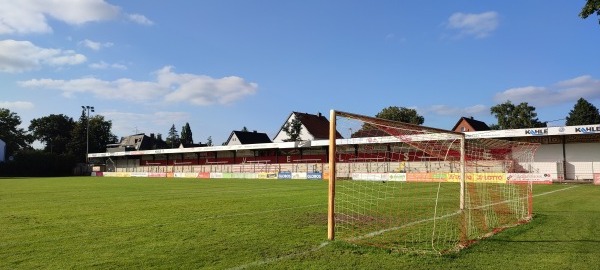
{"x": 83, "y": 223}
{"x": 554, "y": 191}
{"x": 136, "y": 223}
{"x": 285, "y": 257}
{"x": 440, "y": 217}
{"x": 276, "y": 259}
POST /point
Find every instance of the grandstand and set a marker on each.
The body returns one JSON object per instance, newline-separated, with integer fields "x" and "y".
{"x": 565, "y": 154}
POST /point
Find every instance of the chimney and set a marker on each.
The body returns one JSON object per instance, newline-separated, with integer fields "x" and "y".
{"x": 152, "y": 135}
{"x": 320, "y": 114}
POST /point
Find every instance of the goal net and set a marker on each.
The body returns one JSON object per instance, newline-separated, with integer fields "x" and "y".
{"x": 413, "y": 188}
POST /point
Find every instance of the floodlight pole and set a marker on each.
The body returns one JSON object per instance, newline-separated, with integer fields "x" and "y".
{"x": 87, "y": 130}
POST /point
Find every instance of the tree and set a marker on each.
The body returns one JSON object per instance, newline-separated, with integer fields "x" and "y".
{"x": 99, "y": 136}
{"x": 583, "y": 113}
{"x": 77, "y": 145}
{"x": 158, "y": 142}
{"x": 16, "y": 138}
{"x": 186, "y": 134}
{"x": 293, "y": 129}
{"x": 53, "y": 130}
{"x": 511, "y": 117}
{"x": 591, "y": 7}
{"x": 209, "y": 141}
{"x": 401, "y": 114}
{"x": 172, "y": 137}
{"x": 244, "y": 129}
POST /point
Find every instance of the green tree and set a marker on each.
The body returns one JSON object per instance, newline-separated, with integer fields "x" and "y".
{"x": 244, "y": 129}
{"x": 54, "y": 131}
{"x": 186, "y": 134}
{"x": 158, "y": 142}
{"x": 293, "y": 129}
{"x": 77, "y": 145}
{"x": 16, "y": 138}
{"x": 99, "y": 136}
{"x": 173, "y": 137}
{"x": 209, "y": 141}
{"x": 583, "y": 113}
{"x": 512, "y": 116}
{"x": 401, "y": 114}
{"x": 590, "y": 7}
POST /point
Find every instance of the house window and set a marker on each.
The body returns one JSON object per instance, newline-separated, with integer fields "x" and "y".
{"x": 463, "y": 129}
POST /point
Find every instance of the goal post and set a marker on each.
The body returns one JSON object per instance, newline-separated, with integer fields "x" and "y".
{"x": 415, "y": 188}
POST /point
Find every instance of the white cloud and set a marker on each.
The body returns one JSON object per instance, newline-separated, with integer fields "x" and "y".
{"x": 121, "y": 89}
{"x": 104, "y": 65}
{"x": 169, "y": 86}
{"x": 31, "y": 16}
{"x": 118, "y": 66}
{"x": 204, "y": 90}
{"x": 568, "y": 91}
{"x": 19, "y": 56}
{"x": 96, "y": 46}
{"x": 477, "y": 25}
{"x": 446, "y": 110}
{"x": 140, "y": 19}
{"x": 16, "y": 105}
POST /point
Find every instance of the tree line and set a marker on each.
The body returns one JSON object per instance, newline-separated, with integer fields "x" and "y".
{"x": 66, "y": 142}
{"x": 508, "y": 115}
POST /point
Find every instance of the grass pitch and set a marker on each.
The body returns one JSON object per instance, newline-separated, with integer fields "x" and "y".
{"x": 118, "y": 223}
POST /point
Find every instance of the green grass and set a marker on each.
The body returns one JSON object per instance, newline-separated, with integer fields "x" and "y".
{"x": 123, "y": 223}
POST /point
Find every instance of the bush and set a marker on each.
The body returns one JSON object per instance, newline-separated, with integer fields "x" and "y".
{"x": 38, "y": 163}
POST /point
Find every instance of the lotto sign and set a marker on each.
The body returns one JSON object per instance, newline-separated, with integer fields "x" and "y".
{"x": 478, "y": 177}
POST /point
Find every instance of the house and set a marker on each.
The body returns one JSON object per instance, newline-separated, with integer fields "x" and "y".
{"x": 190, "y": 145}
{"x": 314, "y": 127}
{"x": 137, "y": 142}
{"x": 468, "y": 124}
{"x": 247, "y": 137}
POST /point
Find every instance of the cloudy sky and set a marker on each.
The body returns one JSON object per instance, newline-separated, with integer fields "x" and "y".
{"x": 223, "y": 65}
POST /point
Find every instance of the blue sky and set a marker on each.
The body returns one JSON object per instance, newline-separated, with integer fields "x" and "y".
{"x": 221, "y": 65}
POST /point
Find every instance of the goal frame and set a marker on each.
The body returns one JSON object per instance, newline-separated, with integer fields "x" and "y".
{"x": 332, "y": 162}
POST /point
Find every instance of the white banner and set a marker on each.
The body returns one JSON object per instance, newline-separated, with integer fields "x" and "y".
{"x": 298, "y": 175}
{"x": 536, "y": 178}
{"x": 216, "y": 175}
